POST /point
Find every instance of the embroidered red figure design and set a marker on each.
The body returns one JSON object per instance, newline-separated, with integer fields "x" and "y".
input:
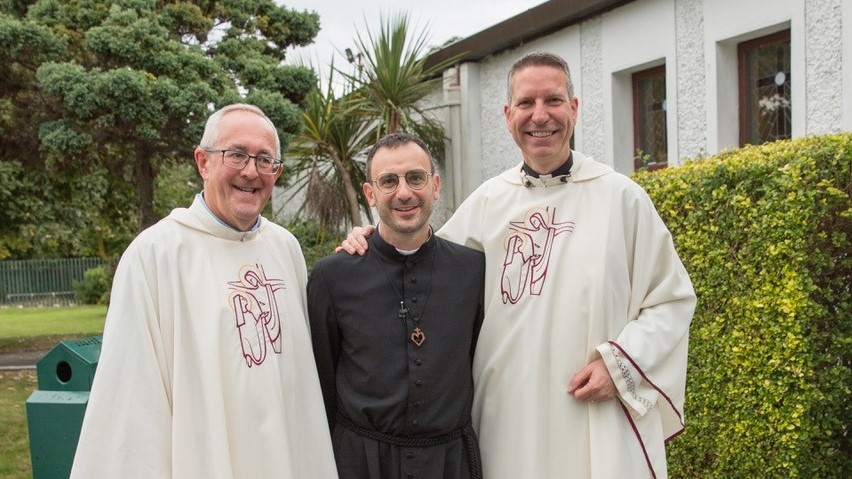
{"x": 255, "y": 308}
{"x": 528, "y": 246}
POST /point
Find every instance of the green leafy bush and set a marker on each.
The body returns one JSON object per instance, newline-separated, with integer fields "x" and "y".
{"x": 94, "y": 287}
{"x": 175, "y": 186}
{"x": 315, "y": 240}
{"x": 766, "y": 234}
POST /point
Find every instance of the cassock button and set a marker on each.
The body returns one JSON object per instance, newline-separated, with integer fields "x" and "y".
{"x": 415, "y": 422}
{"x": 416, "y": 403}
{"x": 413, "y": 300}
{"x": 409, "y": 454}
{"x": 418, "y": 362}
{"x": 413, "y": 279}
{"x": 409, "y": 475}
{"x": 418, "y": 382}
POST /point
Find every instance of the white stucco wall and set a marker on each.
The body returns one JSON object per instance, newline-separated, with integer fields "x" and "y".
{"x": 824, "y": 54}
{"x": 723, "y": 31}
{"x": 592, "y": 93}
{"x": 498, "y": 149}
{"x": 438, "y": 106}
{"x": 697, "y": 42}
{"x": 636, "y": 37}
{"x": 691, "y": 80}
{"x": 846, "y": 46}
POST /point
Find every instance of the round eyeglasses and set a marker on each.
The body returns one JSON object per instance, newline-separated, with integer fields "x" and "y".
{"x": 238, "y": 160}
{"x": 387, "y": 183}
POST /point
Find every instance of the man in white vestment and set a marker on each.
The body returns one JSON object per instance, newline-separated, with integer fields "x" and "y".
{"x": 580, "y": 368}
{"x": 206, "y": 369}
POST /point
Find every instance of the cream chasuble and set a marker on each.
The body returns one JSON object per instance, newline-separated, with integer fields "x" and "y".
{"x": 206, "y": 369}
{"x": 575, "y": 271}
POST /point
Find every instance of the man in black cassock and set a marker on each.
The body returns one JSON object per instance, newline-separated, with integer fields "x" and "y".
{"x": 394, "y": 332}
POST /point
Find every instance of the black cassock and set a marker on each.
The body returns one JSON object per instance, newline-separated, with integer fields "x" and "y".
{"x": 373, "y": 374}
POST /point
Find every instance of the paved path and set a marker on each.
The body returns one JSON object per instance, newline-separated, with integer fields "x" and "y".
{"x": 20, "y": 360}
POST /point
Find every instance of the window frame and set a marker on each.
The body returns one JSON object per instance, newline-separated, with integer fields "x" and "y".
{"x": 635, "y": 79}
{"x": 743, "y": 49}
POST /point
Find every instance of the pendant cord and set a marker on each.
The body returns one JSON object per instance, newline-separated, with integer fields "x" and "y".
{"x": 403, "y": 311}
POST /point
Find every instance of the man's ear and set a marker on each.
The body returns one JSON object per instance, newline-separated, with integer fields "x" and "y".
{"x": 436, "y": 180}
{"x": 202, "y": 161}
{"x": 368, "y": 193}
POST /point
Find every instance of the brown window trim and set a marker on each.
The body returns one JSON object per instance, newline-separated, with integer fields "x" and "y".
{"x": 637, "y": 133}
{"x": 742, "y": 49}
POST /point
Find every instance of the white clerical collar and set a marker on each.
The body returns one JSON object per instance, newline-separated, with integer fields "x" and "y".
{"x": 405, "y": 252}
{"x": 219, "y": 220}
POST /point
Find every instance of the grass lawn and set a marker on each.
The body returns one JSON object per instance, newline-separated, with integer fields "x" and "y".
{"x": 15, "y": 388}
{"x": 35, "y": 329}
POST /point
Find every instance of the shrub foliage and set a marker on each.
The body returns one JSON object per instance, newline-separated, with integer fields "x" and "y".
{"x": 94, "y": 287}
{"x": 765, "y": 233}
{"x": 316, "y": 240}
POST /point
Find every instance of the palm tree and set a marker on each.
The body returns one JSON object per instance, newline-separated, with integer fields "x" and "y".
{"x": 382, "y": 97}
{"x": 392, "y": 80}
{"x": 334, "y": 134}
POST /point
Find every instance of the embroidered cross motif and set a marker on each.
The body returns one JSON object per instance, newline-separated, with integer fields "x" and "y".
{"x": 528, "y": 247}
{"x": 256, "y": 313}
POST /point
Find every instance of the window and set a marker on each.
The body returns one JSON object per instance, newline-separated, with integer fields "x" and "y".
{"x": 764, "y": 75}
{"x": 650, "y": 137}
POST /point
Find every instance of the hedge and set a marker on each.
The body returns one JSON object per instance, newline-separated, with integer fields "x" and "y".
{"x": 765, "y": 234}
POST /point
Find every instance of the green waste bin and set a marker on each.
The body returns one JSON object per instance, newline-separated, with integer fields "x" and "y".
{"x": 55, "y": 411}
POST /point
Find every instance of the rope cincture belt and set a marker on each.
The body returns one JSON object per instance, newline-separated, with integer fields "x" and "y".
{"x": 465, "y": 432}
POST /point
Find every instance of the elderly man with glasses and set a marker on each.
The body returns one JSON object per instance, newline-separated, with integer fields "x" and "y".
{"x": 206, "y": 368}
{"x": 394, "y": 332}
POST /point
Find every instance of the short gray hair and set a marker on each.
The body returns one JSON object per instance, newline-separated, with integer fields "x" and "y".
{"x": 540, "y": 59}
{"x": 211, "y": 129}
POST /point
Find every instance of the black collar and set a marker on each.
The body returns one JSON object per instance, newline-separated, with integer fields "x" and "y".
{"x": 390, "y": 251}
{"x": 564, "y": 169}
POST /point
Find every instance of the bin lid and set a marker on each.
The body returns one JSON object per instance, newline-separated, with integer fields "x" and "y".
{"x": 89, "y": 349}
{"x": 70, "y": 366}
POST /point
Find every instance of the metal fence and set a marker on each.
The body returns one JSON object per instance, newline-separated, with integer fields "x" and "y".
{"x": 42, "y": 282}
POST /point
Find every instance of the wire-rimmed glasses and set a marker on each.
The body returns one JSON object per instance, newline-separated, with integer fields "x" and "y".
{"x": 238, "y": 160}
{"x": 387, "y": 183}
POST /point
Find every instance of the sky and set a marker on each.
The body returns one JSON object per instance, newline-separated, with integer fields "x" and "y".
{"x": 444, "y": 19}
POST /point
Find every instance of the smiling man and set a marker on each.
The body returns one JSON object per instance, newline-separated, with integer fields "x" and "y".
{"x": 580, "y": 368}
{"x": 236, "y": 191}
{"x": 541, "y": 115}
{"x": 581, "y": 364}
{"x": 394, "y": 332}
{"x": 206, "y": 368}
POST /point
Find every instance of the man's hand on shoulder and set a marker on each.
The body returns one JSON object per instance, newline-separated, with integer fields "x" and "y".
{"x": 356, "y": 240}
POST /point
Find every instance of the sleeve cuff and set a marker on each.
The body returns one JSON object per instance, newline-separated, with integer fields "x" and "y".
{"x": 633, "y": 391}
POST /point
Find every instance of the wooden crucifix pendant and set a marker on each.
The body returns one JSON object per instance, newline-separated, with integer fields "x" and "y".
{"x": 418, "y": 337}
